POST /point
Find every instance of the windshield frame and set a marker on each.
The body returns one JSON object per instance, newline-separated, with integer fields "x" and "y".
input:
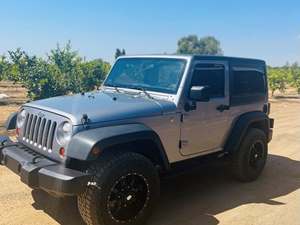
{"x": 150, "y": 90}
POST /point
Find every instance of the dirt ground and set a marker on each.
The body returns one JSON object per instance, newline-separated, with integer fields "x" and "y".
{"x": 205, "y": 196}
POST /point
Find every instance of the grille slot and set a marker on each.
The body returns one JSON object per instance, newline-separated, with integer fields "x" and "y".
{"x": 39, "y": 131}
{"x": 46, "y": 133}
{"x": 27, "y": 129}
{"x": 36, "y": 130}
{"x": 51, "y": 135}
{"x": 32, "y": 126}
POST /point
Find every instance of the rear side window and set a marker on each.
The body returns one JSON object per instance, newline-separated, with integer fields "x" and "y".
{"x": 212, "y": 75}
{"x": 248, "y": 82}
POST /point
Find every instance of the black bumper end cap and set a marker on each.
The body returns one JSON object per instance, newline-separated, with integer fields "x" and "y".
{"x": 60, "y": 180}
{"x": 3, "y": 141}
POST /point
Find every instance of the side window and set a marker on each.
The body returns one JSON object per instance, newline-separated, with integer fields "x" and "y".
{"x": 248, "y": 82}
{"x": 211, "y": 75}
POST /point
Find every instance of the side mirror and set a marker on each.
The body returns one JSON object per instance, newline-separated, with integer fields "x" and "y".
{"x": 199, "y": 93}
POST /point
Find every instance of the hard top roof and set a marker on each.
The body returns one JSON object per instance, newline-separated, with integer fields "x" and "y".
{"x": 234, "y": 60}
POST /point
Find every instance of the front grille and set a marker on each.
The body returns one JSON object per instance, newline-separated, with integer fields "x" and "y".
{"x": 39, "y": 131}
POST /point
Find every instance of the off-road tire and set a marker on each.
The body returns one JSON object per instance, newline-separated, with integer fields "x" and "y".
{"x": 242, "y": 166}
{"x": 93, "y": 202}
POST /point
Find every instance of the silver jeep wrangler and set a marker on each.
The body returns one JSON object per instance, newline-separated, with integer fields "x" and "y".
{"x": 110, "y": 147}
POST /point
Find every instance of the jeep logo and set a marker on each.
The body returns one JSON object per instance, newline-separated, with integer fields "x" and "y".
{"x": 40, "y": 114}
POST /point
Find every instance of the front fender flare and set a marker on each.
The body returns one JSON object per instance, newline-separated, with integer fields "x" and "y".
{"x": 11, "y": 121}
{"x": 83, "y": 142}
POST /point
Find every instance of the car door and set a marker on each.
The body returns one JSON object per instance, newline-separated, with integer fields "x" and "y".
{"x": 205, "y": 124}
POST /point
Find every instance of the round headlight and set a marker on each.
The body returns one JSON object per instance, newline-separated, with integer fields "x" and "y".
{"x": 64, "y": 133}
{"x": 21, "y": 118}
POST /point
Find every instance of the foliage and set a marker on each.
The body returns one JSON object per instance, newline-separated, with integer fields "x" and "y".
{"x": 95, "y": 72}
{"x": 277, "y": 78}
{"x": 62, "y": 72}
{"x": 3, "y": 67}
{"x": 204, "y": 46}
{"x": 119, "y": 53}
{"x": 280, "y": 78}
{"x": 295, "y": 76}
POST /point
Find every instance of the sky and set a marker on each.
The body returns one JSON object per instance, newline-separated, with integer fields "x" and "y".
{"x": 268, "y": 30}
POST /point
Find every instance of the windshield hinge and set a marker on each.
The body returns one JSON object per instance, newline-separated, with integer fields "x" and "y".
{"x": 85, "y": 120}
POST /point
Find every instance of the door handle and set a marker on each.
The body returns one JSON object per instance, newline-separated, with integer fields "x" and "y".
{"x": 190, "y": 106}
{"x": 221, "y": 108}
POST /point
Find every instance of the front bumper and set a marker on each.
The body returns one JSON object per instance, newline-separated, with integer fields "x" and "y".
{"x": 39, "y": 172}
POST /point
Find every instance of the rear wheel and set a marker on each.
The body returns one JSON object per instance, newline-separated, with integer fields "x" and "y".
{"x": 249, "y": 161}
{"x": 123, "y": 191}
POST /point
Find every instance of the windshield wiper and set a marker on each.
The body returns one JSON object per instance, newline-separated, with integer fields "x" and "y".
{"x": 140, "y": 89}
{"x": 131, "y": 87}
{"x": 144, "y": 91}
{"x": 114, "y": 86}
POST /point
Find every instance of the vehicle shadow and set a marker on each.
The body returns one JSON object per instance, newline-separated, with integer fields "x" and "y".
{"x": 194, "y": 197}
{"x": 63, "y": 210}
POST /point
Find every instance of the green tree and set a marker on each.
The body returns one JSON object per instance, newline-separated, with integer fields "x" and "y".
{"x": 43, "y": 80}
{"x": 119, "y": 53}
{"x": 94, "y": 72}
{"x": 295, "y": 76}
{"x": 191, "y": 44}
{"x": 277, "y": 79}
{"x": 62, "y": 72}
{"x": 67, "y": 63}
{"x": 4, "y": 66}
{"x": 18, "y": 64}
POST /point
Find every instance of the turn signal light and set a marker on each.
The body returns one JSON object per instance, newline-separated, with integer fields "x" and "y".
{"x": 62, "y": 152}
{"x": 96, "y": 151}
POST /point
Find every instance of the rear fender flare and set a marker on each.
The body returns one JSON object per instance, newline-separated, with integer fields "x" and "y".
{"x": 241, "y": 126}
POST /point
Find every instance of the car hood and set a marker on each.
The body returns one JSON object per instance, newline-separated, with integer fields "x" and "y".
{"x": 103, "y": 106}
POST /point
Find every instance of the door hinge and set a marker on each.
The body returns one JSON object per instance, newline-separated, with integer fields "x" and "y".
{"x": 183, "y": 143}
{"x": 181, "y": 118}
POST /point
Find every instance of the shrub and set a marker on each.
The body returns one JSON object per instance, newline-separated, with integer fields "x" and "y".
{"x": 62, "y": 72}
{"x": 277, "y": 78}
{"x": 295, "y": 77}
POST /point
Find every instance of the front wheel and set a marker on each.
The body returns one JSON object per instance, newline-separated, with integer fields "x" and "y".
{"x": 123, "y": 191}
{"x": 250, "y": 159}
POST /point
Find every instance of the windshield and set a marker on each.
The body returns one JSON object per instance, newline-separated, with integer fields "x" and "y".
{"x": 151, "y": 74}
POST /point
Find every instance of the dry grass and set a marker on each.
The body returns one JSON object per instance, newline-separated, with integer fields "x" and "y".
{"x": 17, "y": 94}
{"x": 5, "y": 111}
